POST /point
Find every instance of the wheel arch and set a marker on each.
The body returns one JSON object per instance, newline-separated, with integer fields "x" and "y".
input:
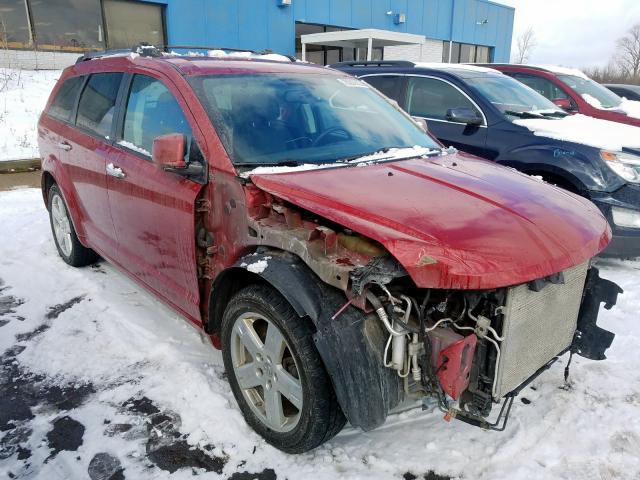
{"x": 560, "y": 179}
{"x": 350, "y": 344}
{"x": 283, "y": 270}
{"x": 46, "y": 181}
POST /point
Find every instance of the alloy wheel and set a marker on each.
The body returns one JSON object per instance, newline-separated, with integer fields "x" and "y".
{"x": 266, "y": 371}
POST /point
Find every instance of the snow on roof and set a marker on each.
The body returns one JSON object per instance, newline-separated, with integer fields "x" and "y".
{"x": 562, "y": 70}
{"x": 585, "y": 130}
{"x": 456, "y": 66}
{"x": 248, "y": 55}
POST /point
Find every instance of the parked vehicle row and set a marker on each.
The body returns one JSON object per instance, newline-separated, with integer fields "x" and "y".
{"x": 344, "y": 260}
{"x": 630, "y": 92}
{"x": 481, "y": 111}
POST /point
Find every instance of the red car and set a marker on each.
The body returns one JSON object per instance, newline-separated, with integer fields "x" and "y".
{"x": 573, "y": 91}
{"x": 341, "y": 258}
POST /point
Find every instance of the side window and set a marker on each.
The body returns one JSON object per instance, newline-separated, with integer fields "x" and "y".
{"x": 152, "y": 111}
{"x": 390, "y": 85}
{"x": 62, "y": 105}
{"x": 431, "y": 98}
{"x": 97, "y": 103}
{"x": 544, "y": 87}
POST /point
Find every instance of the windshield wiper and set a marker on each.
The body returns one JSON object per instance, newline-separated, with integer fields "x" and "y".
{"x": 554, "y": 114}
{"x": 360, "y": 155}
{"x": 282, "y": 163}
{"x": 513, "y": 113}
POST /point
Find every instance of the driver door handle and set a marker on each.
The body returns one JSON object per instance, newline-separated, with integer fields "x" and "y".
{"x": 114, "y": 171}
{"x": 64, "y": 146}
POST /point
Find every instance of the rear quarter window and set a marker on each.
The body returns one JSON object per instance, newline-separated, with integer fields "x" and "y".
{"x": 390, "y": 85}
{"x": 62, "y": 106}
{"x": 97, "y": 103}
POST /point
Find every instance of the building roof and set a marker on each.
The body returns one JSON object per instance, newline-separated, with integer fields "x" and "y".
{"x": 360, "y": 38}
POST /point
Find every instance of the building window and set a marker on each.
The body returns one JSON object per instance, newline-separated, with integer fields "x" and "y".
{"x": 14, "y": 24}
{"x": 466, "y": 53}
{"x": 131, "y": 23}
{"x": 79, "y": 25}
{"x": 72, "y": 25}
{"x": 325, "y": 55}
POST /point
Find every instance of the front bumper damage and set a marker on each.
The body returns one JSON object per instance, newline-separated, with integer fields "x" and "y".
{"x": 589, "y": 341}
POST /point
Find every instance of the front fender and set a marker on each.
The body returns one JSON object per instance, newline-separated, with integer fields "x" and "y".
{"x": 575, "y": 164}
{"x": 351, "y": 345}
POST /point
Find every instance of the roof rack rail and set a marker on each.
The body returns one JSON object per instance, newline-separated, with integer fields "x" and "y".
{"x": 142, "y": 49}
{"x": 374, "y": 63}
{"x": 146, "y": 50}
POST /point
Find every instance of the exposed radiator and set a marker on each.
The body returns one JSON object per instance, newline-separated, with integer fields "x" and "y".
{"x": 538, "y": 326}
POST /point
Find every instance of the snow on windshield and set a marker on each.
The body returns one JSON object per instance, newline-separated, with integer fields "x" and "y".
{"x": 593, "y": 93}
{"x": 585, "y": 130}
{"x": 391, "y": 154}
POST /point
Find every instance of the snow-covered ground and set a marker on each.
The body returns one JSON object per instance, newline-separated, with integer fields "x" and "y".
{"x": 96, "y": 375}
{"x": 23, "y": 96}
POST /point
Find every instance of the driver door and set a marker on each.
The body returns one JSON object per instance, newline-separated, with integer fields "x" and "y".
{"x": 153, "y": 211}
{"x": 430, "y": 98}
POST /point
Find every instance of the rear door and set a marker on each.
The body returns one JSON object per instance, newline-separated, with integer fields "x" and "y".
{"x": 89, "y": 149}
{"x": 154, "y": 211}
{"x": 430, "y": 98}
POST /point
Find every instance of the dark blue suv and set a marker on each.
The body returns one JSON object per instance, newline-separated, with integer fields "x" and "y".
{"x": 483, "y": 112}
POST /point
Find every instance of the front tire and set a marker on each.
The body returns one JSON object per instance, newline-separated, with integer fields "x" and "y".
{"x": 276, "y": 373}
{"x": 64, "y": 235}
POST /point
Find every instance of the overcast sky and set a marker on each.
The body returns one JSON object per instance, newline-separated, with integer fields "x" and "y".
{"x": 574, "y": 33}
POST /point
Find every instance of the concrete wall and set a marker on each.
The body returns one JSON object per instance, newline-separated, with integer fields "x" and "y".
{"x": 32, "y": 60}
{"x": 429, "y": 51}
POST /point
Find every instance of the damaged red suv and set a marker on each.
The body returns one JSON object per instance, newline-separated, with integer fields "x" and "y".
{"x": 341, "y": 258}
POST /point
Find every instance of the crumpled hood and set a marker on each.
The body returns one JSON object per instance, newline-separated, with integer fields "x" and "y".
{"x": 453, "y": 221}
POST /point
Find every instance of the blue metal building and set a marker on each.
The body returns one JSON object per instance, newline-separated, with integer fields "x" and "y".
{"x": 447, "y": 30}
{"x": 275, "y": 24}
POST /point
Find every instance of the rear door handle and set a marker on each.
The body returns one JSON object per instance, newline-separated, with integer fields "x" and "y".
{"x": 115, "y": 171}
{"x": 64, "y": 146}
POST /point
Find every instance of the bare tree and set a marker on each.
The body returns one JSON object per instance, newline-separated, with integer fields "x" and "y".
{"x": 628, "y": 57}
{"x": 525, "y": 44}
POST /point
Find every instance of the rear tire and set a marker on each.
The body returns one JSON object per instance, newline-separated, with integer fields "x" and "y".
{"x": 64, "y": 234}
{"x": 269, "y": 349}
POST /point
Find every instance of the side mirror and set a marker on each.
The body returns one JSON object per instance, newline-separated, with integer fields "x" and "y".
{"x": 422, "y": 124}
{"x": 168, "y": 151}
{"x": 464, "y": 115}
{"x": 563, "y": 103}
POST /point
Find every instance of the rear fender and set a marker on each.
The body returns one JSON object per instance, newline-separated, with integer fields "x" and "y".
{"x": 53, "y": 172}
{"x": 351, "y": 345}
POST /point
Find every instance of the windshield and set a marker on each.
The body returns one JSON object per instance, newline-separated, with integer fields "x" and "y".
{"x": 512, "y": 98}
{"x": 271, "y": 119}
{"x": 593, "y": 93}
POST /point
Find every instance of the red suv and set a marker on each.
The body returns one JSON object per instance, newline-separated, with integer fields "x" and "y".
{"x": 574, "y": 92}
{"x": 341, "y": 258}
